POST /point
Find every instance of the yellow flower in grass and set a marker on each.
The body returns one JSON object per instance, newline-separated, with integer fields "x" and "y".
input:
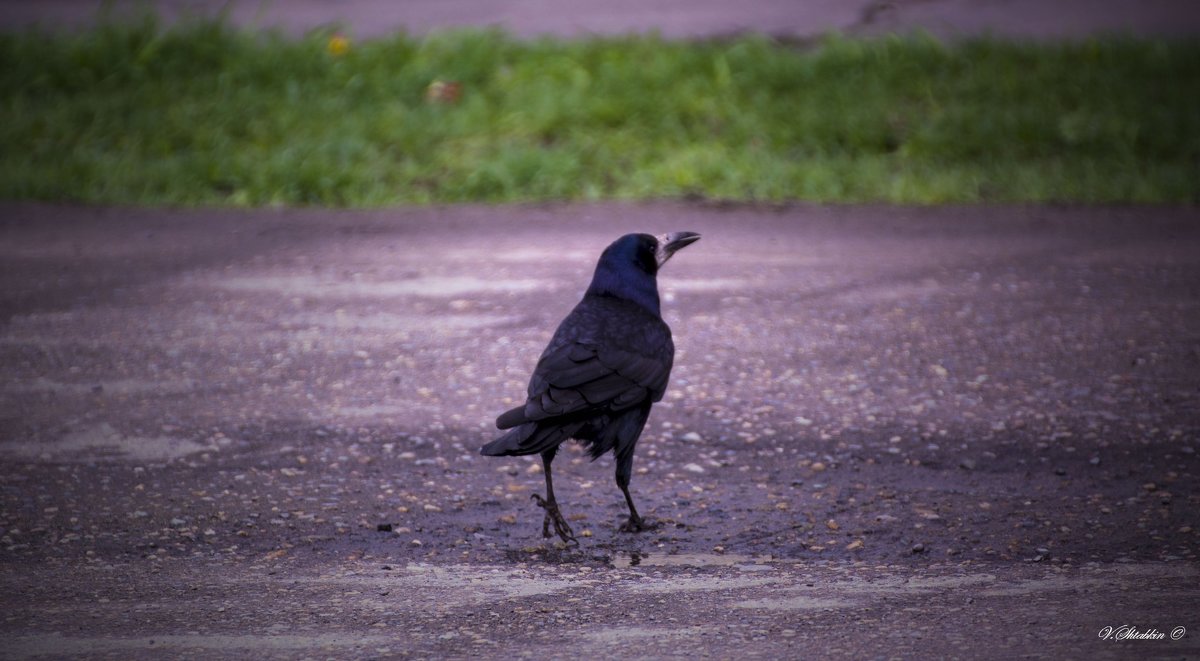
{"x": 338, "y": 45}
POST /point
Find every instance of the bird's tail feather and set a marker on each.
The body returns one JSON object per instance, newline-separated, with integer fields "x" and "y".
{"x": 530, "y": 438}
{"x": 511, "y": 418}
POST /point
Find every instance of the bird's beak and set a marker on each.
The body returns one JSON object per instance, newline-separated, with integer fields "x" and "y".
{"x": 669, "y": 244}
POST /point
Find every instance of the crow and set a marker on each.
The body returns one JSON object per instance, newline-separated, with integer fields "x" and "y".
{"x": 607, "y": 363}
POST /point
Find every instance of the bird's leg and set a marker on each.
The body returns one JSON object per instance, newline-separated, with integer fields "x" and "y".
{"x": 553, "y": 515}
{"x": 624, "y": 472}
{"x": 635, "y": 522}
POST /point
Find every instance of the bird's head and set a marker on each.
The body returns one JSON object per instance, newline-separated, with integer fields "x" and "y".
{"x": 628, "y": 266}
{"x": 645, "y": 252}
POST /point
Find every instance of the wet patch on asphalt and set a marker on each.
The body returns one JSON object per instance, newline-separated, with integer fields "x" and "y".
{"x": 277, "y": 608}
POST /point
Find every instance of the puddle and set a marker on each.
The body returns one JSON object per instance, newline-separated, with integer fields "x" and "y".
{"x": 522, "y": 256}
{"x": 613, "y": 636}
{"x": 500, "y": 583}
{"x": 435, "y": 286}
{"x": 800, "y": 602}
{"x": 743, "y": 562}
{"x": 116, "y": 387}
{"x": 401, "y": 322}
{"x": 896, "y": 291}
{"x": 908, "y": 584}
{"x": 855, "y": 592}
{"x": 704, "y": 284}
{"x": 1130, "y": 575}
{"x": 104, "y": 442}
{"x": 58, "y": 645}
{"x": 438, "y": 587}
{"x": 677, "y": 584}
{"x": 373, "y": 411}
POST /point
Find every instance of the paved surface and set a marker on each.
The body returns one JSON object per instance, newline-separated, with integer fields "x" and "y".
{"x": 672, "y": 18}
{"x": 890, "y": 432}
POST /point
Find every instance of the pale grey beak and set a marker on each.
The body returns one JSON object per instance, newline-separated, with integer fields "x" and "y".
{"x": 668, "y": 244}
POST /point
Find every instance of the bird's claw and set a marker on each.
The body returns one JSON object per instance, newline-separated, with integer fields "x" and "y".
{"x": 635, "y": 525}
{"x": 554, "y": 515}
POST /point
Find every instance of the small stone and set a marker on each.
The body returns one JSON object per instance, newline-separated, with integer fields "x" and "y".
{"x": 692, "y": 437}
{"x": 693, "y": 468}
{"x": 1060, "y": 471}
{"x": 855, "y": 545}
{"x": 1150, "y": 486}
{"x": 817, "y": 466}
{"x": 832, "y": 525}
{"x": 918, "y": 548}
{"x": 967, "y": 464}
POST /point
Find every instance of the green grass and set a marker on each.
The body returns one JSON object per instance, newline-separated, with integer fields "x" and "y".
{"x": 205, "y": 114}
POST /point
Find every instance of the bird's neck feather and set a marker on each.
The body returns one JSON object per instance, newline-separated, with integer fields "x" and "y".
{"x": 635, "y": 286}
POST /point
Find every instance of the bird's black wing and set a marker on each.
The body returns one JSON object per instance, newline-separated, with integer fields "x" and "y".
{"x": 606, "y": 356}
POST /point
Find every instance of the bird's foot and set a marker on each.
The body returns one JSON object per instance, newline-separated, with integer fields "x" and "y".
{"x": 636, "y": 524}
{"x": 553, "y": 515}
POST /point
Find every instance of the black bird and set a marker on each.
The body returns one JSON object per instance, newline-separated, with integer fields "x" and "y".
{"x": 607, "y": 363}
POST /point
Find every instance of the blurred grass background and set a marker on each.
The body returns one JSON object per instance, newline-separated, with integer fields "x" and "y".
{"x": 207, "y": 114}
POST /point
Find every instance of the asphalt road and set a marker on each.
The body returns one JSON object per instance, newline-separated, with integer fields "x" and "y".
{"x": 890, "y": 432}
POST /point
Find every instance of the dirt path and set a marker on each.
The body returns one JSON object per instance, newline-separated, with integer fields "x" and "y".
{"x": 672, "y": 18}
{"x": 890, "y": 432}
